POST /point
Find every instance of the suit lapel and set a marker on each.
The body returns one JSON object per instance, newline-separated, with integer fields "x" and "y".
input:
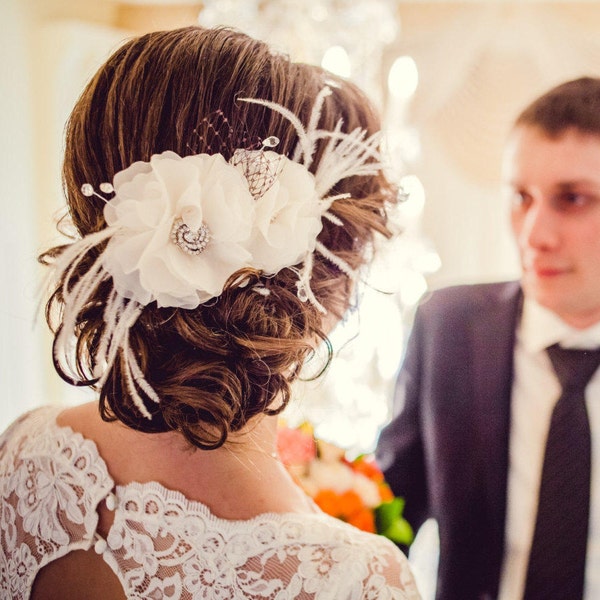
{"x": 492, "y": 344}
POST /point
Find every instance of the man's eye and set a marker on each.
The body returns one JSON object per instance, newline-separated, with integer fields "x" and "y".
{"x": 571, "y": 199}
{"x": 520, "y": 199}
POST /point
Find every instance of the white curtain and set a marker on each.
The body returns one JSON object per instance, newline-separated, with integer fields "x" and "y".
{"x": 20, "y": 358}
{"x": 43, "y": 68}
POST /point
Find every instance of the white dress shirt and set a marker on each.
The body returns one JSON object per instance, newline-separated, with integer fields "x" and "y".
{"x": 535, "y": 390}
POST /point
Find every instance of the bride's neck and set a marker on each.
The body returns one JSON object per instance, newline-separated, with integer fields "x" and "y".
{"x": 241, "y": 479}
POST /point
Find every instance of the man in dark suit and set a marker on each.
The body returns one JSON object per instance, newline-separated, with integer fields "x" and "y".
{"x": 477, "y": 390}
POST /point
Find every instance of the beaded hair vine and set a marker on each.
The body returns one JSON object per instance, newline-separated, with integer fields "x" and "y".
{"x": 177, "y": 228}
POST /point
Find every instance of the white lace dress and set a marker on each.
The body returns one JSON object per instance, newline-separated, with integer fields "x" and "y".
{"x": 163, "y": 546}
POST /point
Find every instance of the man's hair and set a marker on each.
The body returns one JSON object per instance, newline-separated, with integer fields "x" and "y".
{"x": 571, "y": 105}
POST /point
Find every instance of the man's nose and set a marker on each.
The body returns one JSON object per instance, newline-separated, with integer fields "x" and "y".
{"x": 540, "y": 226}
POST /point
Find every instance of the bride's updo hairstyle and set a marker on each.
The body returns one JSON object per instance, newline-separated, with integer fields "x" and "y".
{"x": 216, "y": 366}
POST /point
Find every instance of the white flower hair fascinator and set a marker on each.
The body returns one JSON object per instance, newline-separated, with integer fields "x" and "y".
{"x": 179, "y": 228}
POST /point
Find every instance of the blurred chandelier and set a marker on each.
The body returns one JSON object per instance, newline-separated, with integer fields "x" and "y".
{"x": 348, "y": 37}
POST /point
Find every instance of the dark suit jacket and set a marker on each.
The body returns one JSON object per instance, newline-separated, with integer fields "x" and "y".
{"x": 446, "y": 450}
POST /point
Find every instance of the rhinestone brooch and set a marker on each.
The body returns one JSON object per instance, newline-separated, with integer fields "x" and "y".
{"x": 191, "y": 242}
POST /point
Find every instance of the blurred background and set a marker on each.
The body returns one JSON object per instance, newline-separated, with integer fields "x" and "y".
{"x": 449, "y": 77}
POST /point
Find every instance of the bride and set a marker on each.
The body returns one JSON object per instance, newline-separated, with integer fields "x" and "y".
{"x": 225, "y": 201}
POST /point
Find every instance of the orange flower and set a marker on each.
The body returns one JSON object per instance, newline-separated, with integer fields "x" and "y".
{"x": 350, "y": 503}
{"x": 364, "y": 520}
{"x": 328, "y": 501}
{"x": 368, "y": 468}
{"x": 316, "y": 465}
{"x": 346, "y": 506}
{"x": 385, "y": 492}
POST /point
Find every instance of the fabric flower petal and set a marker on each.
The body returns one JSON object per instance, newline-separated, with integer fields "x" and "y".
{"x": 288, "y": 219}
{"x": 150, "y": 198}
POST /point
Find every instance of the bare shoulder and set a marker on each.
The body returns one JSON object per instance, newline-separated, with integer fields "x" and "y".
{"x": 85, "y": 419}
{"x": 130, "y": 455}
{"x": 82, "y": 418}
{"x": 79, "y": 574}
{"x": 115, "y": 442}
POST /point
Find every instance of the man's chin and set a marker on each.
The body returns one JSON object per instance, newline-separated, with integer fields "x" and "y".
{"x": 561, "y": 304}
{"x": 549, "y": 299}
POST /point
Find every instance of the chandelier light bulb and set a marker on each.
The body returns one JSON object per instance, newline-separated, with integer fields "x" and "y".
{"x": 413, "y": 207}
{"x": 403, "y": 78}
{"x": 337, "y": 61}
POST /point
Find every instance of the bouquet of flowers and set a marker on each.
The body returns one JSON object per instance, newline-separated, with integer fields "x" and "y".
{"x": 353, "y": 490}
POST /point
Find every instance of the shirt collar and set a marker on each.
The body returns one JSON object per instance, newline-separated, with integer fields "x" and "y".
{"x": 540, "y": 328}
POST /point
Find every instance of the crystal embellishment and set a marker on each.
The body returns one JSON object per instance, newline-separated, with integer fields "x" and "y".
{"x": 191, "y": 242}
{"x": 270, "y": 142}
{"x": 87, "y": 190}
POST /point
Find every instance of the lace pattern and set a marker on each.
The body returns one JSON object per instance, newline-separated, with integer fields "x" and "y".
{"x": 50, "y": 485}
{"x": 163, "y": 546}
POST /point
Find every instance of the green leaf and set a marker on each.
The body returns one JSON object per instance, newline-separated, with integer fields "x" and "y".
{"x": 391, "y": 524}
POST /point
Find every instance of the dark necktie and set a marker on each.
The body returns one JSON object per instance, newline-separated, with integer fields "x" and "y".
{"x": 557, "y": 560}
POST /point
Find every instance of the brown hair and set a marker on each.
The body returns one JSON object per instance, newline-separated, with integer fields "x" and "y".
{"x": 217, "y": 366}
{"x": 571, "y": 105}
